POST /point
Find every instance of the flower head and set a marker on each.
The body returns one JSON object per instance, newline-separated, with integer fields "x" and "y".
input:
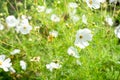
{"x": 109, "y": 20}
{"x": 52, "y": 66}
{"x": 24, "y": 27}
{"x": 11, "y": 21}
{"x": 82, "y": 38}
{"x": 117, "y": 31}
{"x": 55, "y": 18}
{"x": 95, "y": 4}
{"x": 5, "y": 63}
{"x": 73, "y": 52}
{"x": 23, "y": 64}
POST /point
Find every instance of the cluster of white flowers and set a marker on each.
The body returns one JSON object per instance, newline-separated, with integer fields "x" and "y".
{"x": 6, "y": 64}
{"x": 72, "y": 11}
{"x": 81, "y": 41}
{"x": 21, "y": 25}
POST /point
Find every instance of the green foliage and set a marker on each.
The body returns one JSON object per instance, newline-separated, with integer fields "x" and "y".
{"x": 99, "y": 61}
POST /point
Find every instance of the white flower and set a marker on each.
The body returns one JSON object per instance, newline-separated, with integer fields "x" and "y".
{"x": 114, "y": 1}
{"x": 15, "y": 51}
{"x": 117, "y": 31}
{"x": 75, "y": 18}
{"x": 55, "y": 18}
{"x": 84, "y": 19}
{"x": 73, "y": 52}
{"x": 102, "y": 1}
{"x": 48, "y": 11}
{"x": 11, "y": 21}
{"x": 53, "y": 33}
{"x": 52, "y": 66}
{"x": 24, "y": 27}
{"x": 82, "y": 38}
{"x": 109, "y": 20}
{"x": 40, "y": 8}
{"x": 95, "y": 4}
{"x": 72, "y": 5}
{"x": 1, "y": 27}
{"x": 23, "y": 64}
{"x": 5, "y": 63}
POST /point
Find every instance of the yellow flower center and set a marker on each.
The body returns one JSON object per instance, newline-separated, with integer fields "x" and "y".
{"x": 90, "y": 1}
{"x": 80, "y": 36}
{"x": 0, "y": 63}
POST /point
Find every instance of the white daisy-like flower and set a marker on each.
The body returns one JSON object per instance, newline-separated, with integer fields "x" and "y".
{"x": 48, "y": 11}
{"x": 11, "y": 21}
{"x": 109, "y": 20}
{"x": 84, "y": 19}
{"x": 1, "y": 27}
{"x": 40, "y": 8}
{"x": 53, "y": 33}
{"x": 52, "y": 66}
{"x": 55, "y": 18}
{"x": 23, "y": 64}
{"x": 5, "y": 64}
{"x": 72, "y": 5}
{"x": 24, "y": 27}
{"x": 95, "y": 4}
{"x": 73, "y": 52}
{"x": 15, "y": 51}
{"x": 75, "y": 18}
{"x": 82, "y": 38}
{"x": 117, "y": 31}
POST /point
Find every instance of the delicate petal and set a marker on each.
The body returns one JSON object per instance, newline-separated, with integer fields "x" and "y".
{"x": 23, "y": 64}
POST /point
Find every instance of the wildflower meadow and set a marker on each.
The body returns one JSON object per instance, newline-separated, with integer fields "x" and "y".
{"x": 59, "y": 39}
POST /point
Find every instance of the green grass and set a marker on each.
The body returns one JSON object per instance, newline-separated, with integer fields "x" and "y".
{"x": 99, "y": 59}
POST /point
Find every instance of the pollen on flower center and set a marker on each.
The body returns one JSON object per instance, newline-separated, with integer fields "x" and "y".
{"x": 80, "y": 36}
{"x": 90, "y": 1}
{"x": 0, "y": 63}
{"x": 24, "y": 27}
